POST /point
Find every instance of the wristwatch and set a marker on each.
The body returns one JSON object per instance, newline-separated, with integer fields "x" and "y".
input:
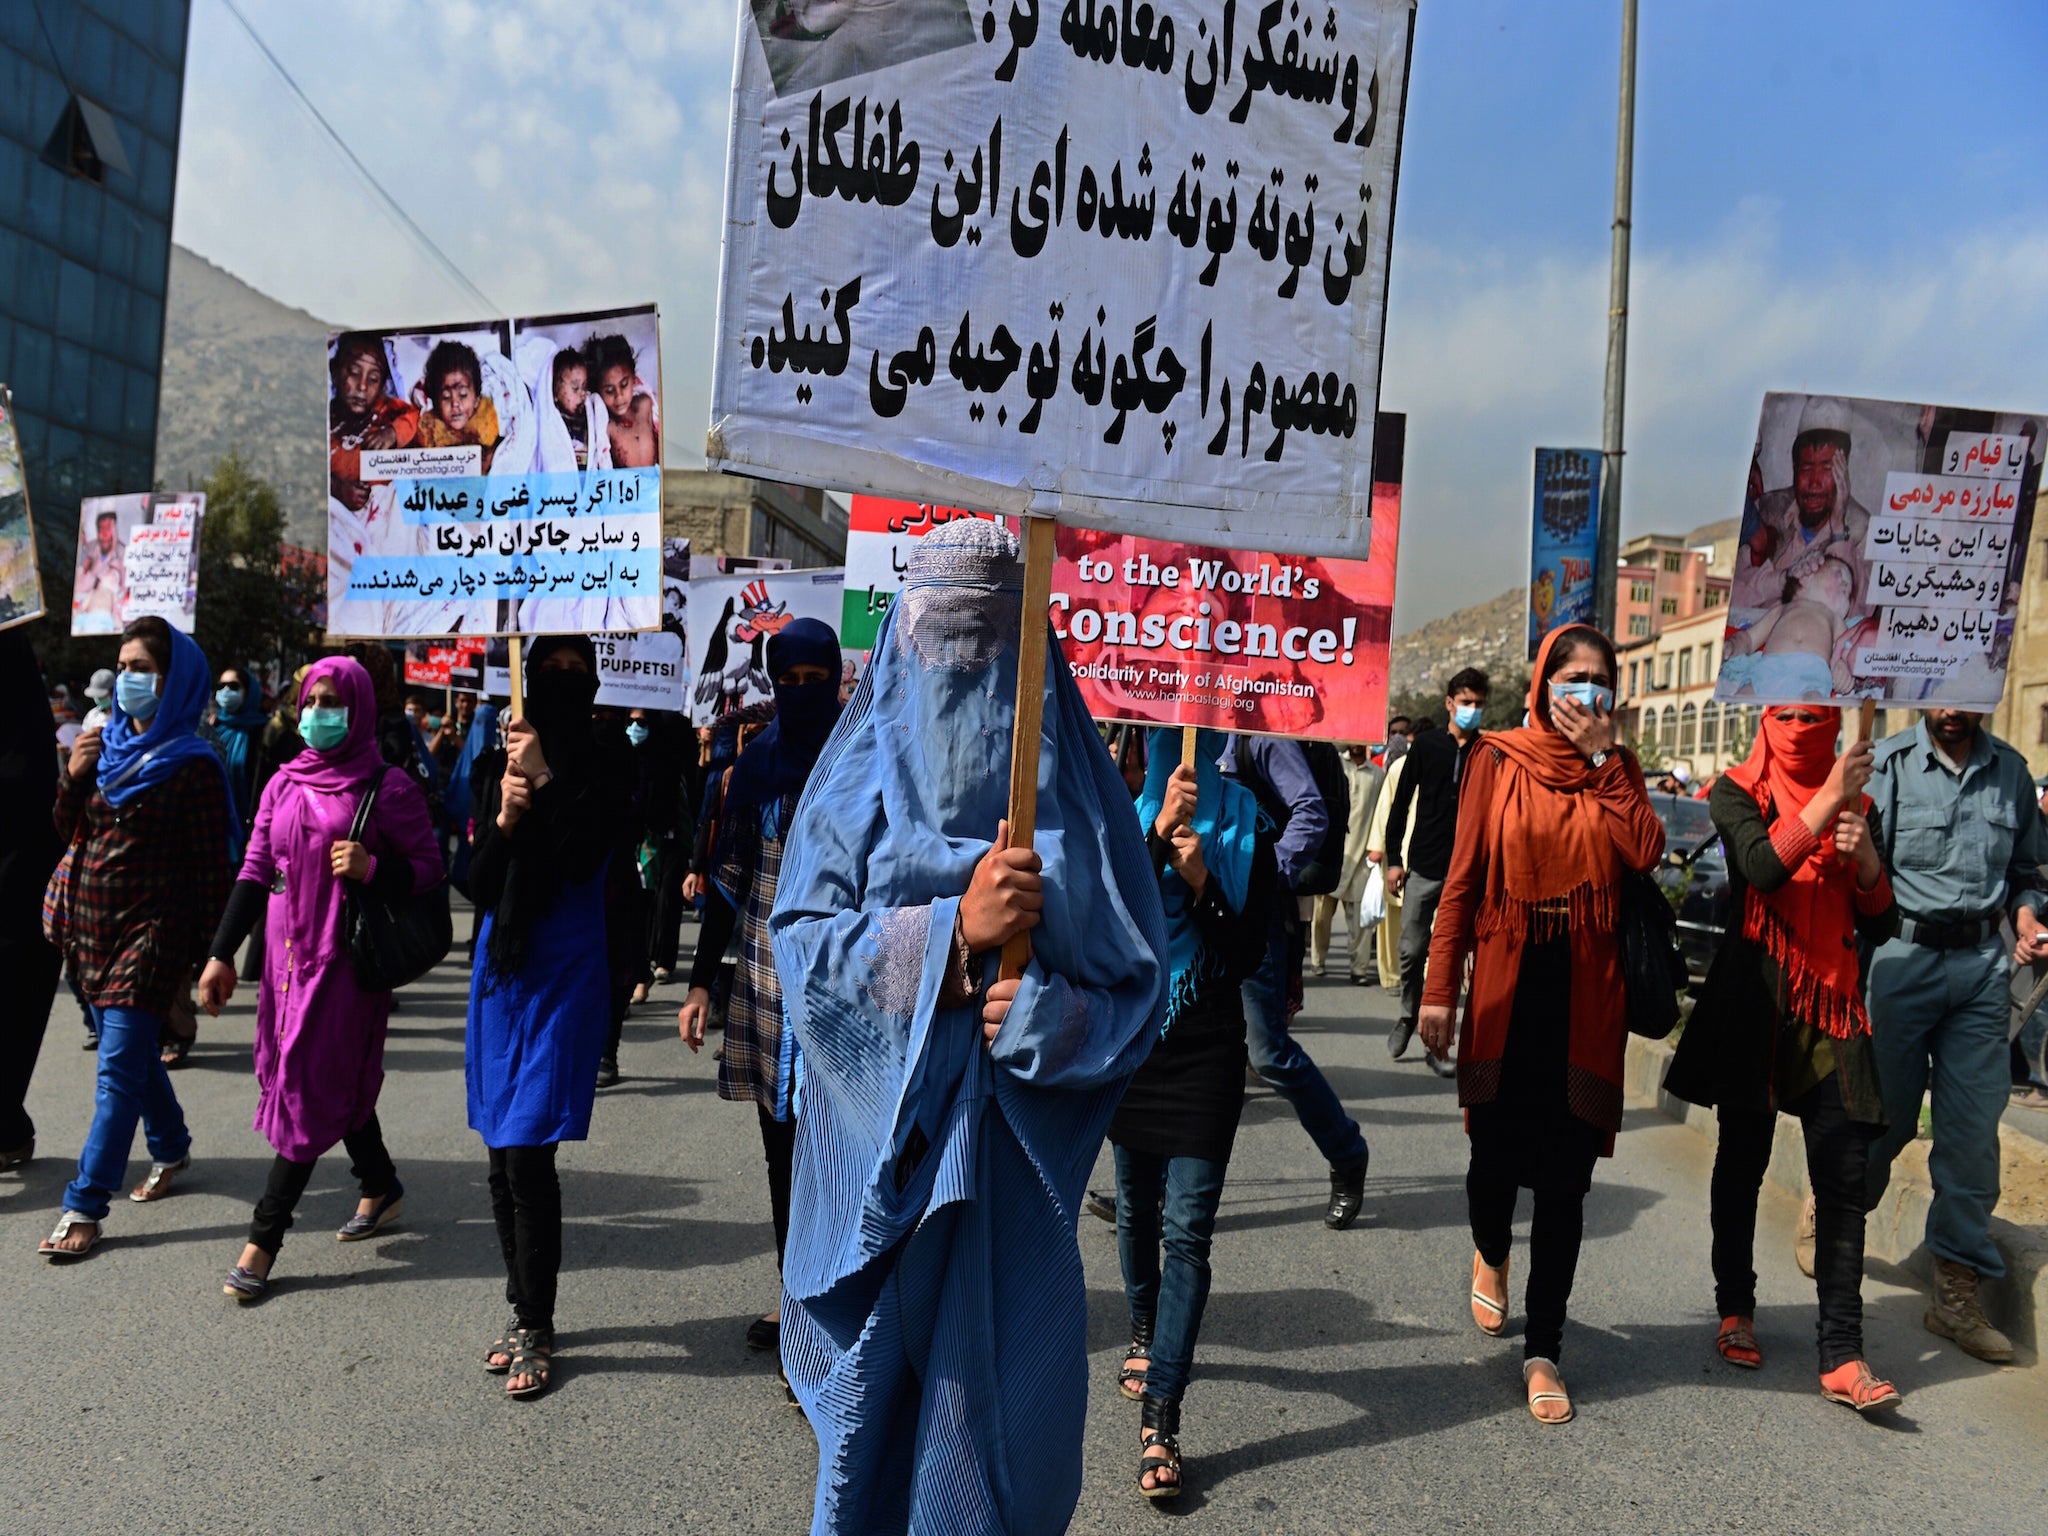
{"x": 1599, "y": 758}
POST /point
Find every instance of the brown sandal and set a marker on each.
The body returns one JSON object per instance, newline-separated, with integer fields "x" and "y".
{"x": 1737, "y": 1343}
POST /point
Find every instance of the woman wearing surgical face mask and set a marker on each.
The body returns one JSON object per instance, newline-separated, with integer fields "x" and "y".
{"x": 319, "y": 1035}
{"x": 238, "y": 721}
{"x": 145, "y": 809}
{"x": 1550, "y": 816}
{"x": 547, "y": 812}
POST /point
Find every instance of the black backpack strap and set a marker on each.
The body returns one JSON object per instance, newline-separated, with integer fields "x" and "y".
{"x": 363, "y": 808}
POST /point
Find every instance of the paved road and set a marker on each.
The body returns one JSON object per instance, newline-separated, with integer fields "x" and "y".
{"x": 1340, "y": 1387}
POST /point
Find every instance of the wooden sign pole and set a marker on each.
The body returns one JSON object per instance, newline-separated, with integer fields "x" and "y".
{"x": 1039, "y": 534}
{"x": 1187, "y": 746}
{"x": 1866, "y": 717}
{"x": 518, "y": 679}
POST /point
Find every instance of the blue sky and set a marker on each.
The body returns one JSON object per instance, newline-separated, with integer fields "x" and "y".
{"x": 1840, "y": 197}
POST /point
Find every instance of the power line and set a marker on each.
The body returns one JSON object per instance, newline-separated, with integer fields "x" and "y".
{"x": 446, "y": 262}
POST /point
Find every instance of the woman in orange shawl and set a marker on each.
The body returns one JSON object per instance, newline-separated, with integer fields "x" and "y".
{"x": 1780, "y": 1024}
{"x": 1549, "y": 816}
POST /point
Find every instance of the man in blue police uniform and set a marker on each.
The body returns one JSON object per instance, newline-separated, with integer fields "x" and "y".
{"x": 1965, "y": 845}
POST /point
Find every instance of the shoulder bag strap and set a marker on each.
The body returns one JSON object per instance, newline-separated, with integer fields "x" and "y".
{"x": 363, "y": 807}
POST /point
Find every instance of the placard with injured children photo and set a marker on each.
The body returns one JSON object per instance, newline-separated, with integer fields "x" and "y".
{"x": 1881, "y": 553}
{"x": 496, "y": 477}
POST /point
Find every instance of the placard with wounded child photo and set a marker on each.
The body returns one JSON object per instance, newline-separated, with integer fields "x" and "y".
{"x": 1881, "y": 551}
{"x": 457, "y": 456}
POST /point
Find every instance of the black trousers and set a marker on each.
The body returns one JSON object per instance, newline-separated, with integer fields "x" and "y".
{"x": 665, "y": 935}
{"x": 30, "y": 966}
{"x": 526, "y": 1203}
{"x": 370, "y": 1166}
{"x": 1837, "y": 1156}
{"x": 1552, "y": 1156}
{"x": 778, "y": 1145}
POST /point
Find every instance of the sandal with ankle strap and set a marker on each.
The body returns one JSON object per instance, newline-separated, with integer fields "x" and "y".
{"x": 1131, "y": 1380}
{"x": 1159, "y": 1430}
{"x": 1737, "y": 1343}
{"x": 1559, "y": 1396}
{"x": 1861, "y": 1388}
{"x": 506, "y": 1344}
{"x": 532, "y": 1355}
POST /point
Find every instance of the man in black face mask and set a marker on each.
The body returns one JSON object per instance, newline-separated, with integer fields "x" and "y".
{"x": 760, "y": 802}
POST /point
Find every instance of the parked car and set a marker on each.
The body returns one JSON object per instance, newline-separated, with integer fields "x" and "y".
{"x": 1694, "y": 878}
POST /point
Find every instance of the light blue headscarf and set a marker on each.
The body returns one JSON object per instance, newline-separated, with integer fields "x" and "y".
{"x": 1227, "y": 819}
{"x": 934, "y": 1319}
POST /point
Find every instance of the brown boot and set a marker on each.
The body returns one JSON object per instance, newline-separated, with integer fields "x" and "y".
{"x": 1958, "y": 1314}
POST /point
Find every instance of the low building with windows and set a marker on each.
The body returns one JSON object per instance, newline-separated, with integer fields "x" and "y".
{"x": 1665, "y": 701}
{"x": 737, "y": 515}
{"x": 1663, "y": 579}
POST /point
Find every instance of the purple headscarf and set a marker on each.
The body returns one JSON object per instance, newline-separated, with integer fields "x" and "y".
{"x": 356, "y": 761}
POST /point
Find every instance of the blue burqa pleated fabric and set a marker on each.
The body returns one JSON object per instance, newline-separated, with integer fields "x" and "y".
{"x": 934, "y": 1316}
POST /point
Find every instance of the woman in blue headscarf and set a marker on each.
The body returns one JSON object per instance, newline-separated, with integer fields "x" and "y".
{"x": 934, "y": 1317}
{"x": 1173, "y": 1131}
{"x": 760, "y": 799}
{"x": 145, "y": 809}
{"x": 238, "y": 720}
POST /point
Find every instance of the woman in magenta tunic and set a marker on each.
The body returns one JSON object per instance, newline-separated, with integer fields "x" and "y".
{"x": 319, "y": 1035}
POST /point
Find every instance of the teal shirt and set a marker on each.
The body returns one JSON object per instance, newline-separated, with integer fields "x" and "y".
{"x": 1959, "y": 846}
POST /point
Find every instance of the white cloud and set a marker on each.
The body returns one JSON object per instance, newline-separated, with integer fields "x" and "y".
{"x": 1491, "y": 356}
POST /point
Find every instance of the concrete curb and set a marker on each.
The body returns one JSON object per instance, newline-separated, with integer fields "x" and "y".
{"x": 2019, "y": 1302}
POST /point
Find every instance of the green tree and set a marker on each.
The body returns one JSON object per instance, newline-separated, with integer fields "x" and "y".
{"x": 255, "y": 608}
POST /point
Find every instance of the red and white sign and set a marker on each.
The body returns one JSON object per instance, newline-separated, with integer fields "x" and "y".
{"x": 1179, "y": 634}
{"x": 429, "y": 665}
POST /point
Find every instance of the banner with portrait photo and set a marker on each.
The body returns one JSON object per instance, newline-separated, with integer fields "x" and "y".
{"x": 1241, "y": 640}
{"x": 496, "y": 477}
{"x": 1882, "y": 549}
{"x": 137, "y": 556}
{"x": 735, "y": 616}
{"x": 21, "y": 587}
{"x": 1126, "y": 266}
{"x": 1563, "y": 541}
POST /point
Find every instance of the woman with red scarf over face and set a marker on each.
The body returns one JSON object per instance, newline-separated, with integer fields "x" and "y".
{"x": 1780, "y": 1024}
{"x": 1548, "y": 817}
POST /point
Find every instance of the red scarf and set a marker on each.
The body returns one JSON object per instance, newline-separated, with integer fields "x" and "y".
{"x": 1807, "y": 925}
{"x": 1557, "y": 864}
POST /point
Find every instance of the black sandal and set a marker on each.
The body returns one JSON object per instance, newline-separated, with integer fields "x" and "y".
{"x": 532, "y": 1356}
{"x": 1159, "y": 1430}
{"x": 506, "y": 1344}
{"x": 1131, "y": 1381}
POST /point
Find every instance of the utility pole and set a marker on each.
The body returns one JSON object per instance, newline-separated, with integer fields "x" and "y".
{"x": 1608, "y": 549}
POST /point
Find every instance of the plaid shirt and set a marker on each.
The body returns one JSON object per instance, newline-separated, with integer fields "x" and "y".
{"x": 749, "y": 865}
{"x": 134, "y": 903}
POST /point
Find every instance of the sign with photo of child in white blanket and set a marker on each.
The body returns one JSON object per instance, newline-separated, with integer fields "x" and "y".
{"x": 496, "y": 477}
{"x": 1881, "y": 553}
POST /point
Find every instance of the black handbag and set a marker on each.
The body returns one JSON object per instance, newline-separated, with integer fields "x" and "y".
{"x": 393, "y": 941}
{"x": 1652, "y": 965}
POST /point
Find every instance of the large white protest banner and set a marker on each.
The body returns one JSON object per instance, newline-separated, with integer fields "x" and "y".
{"x": 1883, "y": 545}
{"x": 1122, "y": 265}
{"x": 138, "y": 556}
{"x": 732, "y": 619}
{"x": 495, "y": 477}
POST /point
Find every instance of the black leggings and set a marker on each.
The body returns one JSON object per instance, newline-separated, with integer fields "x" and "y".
{"x": 370, "y": 1167}
{"x": 1837, "y": 1153}
{"x": 778, "y": 1145}
{"x": 1553, "y": 1156}
{"x": 526, "y": 1203}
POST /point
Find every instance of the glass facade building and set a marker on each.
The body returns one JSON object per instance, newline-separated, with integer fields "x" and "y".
{"x": 90, "y": 97}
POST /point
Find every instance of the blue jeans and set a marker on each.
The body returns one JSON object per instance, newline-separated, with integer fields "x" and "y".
{"x": 133, "y": 1085}
{"x": 1283, "y": 1064}
{"x": 1941, "y": 1015}
{"x": 1173, "y": 1294}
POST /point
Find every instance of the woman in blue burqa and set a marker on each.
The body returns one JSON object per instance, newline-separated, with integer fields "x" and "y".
{"x": 933, "y": 1309}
